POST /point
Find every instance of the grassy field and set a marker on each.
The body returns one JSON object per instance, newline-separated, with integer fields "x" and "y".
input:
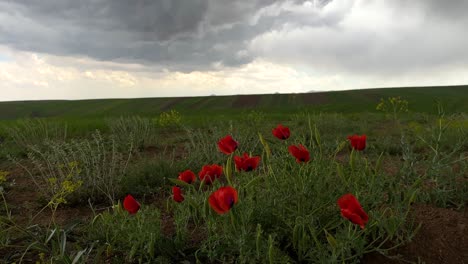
{"x": 64, "y": 176}
{"x": 423, "y": 99}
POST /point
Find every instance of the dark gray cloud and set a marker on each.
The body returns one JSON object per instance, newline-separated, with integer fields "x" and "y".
{"x": 176, "y": 33}
{"x": 191, "y": 35}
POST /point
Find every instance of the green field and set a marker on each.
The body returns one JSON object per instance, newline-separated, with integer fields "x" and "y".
{"x": 422, "y": 99}
{"x": 66, "y": 166}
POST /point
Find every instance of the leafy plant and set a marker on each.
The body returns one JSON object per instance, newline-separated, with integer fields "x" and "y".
{"x": 137, "y": 130}
{"x": 170, "y": 118}
{"x": 35, "y": 132}
{"x": 98, "y": 167}
{"x": 393, "y": 106}
{"x": 130, "y": 238}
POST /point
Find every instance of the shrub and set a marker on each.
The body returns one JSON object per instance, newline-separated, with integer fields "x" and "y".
{"x": 138, "y": 130}
{"x": 171, "y": 118}
{"x": 393, "y": 106}
{"x": 98, "y": 165}
{"x": 30, "y": 132}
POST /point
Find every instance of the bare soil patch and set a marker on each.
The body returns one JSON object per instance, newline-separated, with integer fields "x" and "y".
{"x": 442, "y": 238}
{"x": 24, "y": 203}
{"x": 245, "y": 101}
{"x": 175, "y": 151}
{"x": 314, "y": 98}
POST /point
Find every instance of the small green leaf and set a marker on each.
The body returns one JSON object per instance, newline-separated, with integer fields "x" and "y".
{"x": 180, "y": 183}
{"x": 265, "y": 146}
{"x": 331, "y": 240}
{"x": 378, "y": 164}
{"x": 78, "y": 256}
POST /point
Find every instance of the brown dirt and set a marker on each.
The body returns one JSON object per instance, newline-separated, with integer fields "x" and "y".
{"x": 387, "y": 128}
{"x": 152, "y": 151}
{"x": 244, "y": 101}
{"x": 23, "y": 201}
{"x": 442, "y": 238}
{"x": 390, "y": 165}
{"x": 314, "y": 98}
{"x": 176, "y": 151}
{"x": 342, "y": 157}
{"x": 197, "y": 233}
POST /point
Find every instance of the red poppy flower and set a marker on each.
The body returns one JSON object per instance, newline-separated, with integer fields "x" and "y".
{"x": 227, "y": 145}
{"x": 187, "y": 176}
{"x": 300, "y": 153}
{"x": 352, "y": 210}
{"x": 358, "y": 142}
{"x": 246, "y": 163}
{"x": 281, "y": 132}
{"x": 223, "y": 199}
{"x": 209, "y": 173}
{"x": 177, "y": 192}
{"x": 131, "y": 205}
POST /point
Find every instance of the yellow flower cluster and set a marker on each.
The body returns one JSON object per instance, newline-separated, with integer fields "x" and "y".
{"x": 3, "y": 176}
{"x": 67, "y": 186}
{"x": 170, "y": 118}
{"x": 393, "y": 105}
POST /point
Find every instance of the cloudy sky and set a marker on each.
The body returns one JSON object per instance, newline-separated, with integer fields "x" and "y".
{"x": 69, "y": 49}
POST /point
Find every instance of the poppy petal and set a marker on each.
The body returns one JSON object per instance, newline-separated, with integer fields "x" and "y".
{"x": 187, "y": 176}
{"x": 352, "y": 210}
{"x": 358, "y": 142}
{"x": 131, "y": 205}
{"x": 300, "y": 153}
{"x": 210, "y": 172}
{"x": 223, "y": 199}
{"x": 227, "y": 145}
{"x": 281, "y": 132}
{"x": 214, "y": 204}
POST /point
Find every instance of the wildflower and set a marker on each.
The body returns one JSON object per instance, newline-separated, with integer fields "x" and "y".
{"x": 300, "y": 153}
{"x": 227, "y": 145}
{"x": 352, "y": 210}
{"x": 177, "y": 192}
{"x": 246, "y": 163}
{"x": 223, "y": 199}
{"x": 131, "y": 205}
{"x": 209, "y": 173}
{"x": 281, "y": 132}
{"x": 358, "y": 142}
{"x": 187, "y": 176}
{"x": 3, "y": 176}
{"x": 52, "y": 180}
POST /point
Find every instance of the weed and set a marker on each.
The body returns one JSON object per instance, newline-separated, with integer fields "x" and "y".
{"x": 171, "y": 118}
{"x": 97, "y": 171}
{"x": 137, "y": 130}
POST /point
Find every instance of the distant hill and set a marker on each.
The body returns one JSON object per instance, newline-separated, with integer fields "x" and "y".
{"x": 421, "y": 99}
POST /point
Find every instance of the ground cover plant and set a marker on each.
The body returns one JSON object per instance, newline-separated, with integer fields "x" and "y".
{"x": 302, "y": 187}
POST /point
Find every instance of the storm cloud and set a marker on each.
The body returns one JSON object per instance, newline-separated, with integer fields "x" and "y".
{"x": 198, "y": 34}
{"x": 179, "y": 34}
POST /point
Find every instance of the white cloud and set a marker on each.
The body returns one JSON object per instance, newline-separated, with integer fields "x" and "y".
{"x": 367, "y": 38}
{"x": 33, "y": 76}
